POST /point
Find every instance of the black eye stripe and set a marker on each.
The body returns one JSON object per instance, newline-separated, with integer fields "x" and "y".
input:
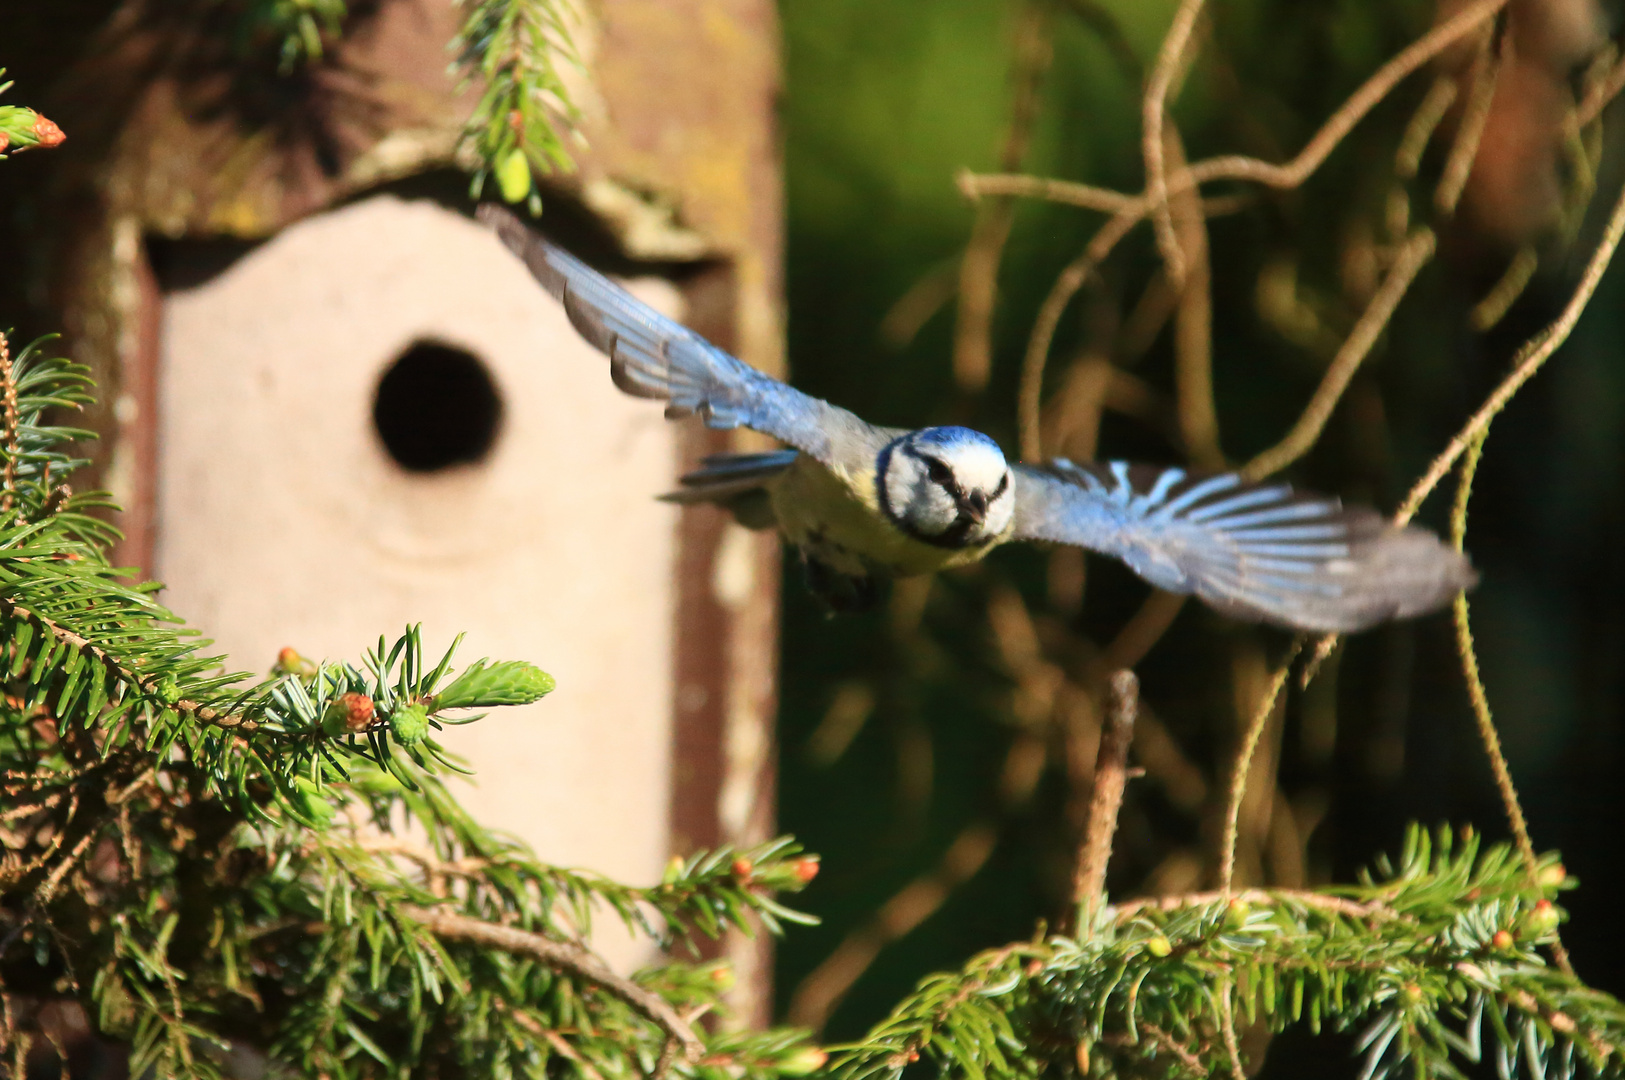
{"x": 1004, "y": 483}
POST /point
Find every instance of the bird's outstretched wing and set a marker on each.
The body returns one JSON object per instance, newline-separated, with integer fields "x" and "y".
{"x": 1255, "y": 550}
{"x": 652, "y": 356}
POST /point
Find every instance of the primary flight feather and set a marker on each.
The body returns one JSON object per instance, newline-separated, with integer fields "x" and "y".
{"x": 863, "y": 503}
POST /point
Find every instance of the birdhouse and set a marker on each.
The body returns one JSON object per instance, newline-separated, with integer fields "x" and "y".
{"x": 334, "y": 404}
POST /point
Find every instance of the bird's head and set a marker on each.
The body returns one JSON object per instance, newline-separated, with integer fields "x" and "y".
{"x": 948, "y": 486}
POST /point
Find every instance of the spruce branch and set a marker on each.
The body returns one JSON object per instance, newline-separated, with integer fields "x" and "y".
{"x": 1417, "y": 957}
{"x": 515, "y": 48}
{"x": 566, "y": 957}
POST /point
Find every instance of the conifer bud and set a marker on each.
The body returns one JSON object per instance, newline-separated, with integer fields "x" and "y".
{"x": 289, "y": 662}
{"x": 409, "y": 724}
{"x": 513, "y": 175}
{"x": 1235, "y": 914}
{"x": 803, "y": 1060}
{"x": 743, "y": 868}
{"x": 1552, "y": 875}
{"x": 168, "y": 690}
{"x": 1541, "y": 920}
{"x": 22, "y": 128}
{"x": 349, "y": 714}
{"x": 806, "y": 868}
{"x": 1502, "y": 940}
{"x": 47, "y": 133}
{"x": 1158, "y": 946}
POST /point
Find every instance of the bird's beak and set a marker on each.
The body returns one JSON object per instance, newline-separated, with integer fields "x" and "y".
{"x": 975, "y": 507}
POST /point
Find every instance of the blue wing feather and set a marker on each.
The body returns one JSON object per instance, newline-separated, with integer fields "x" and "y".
{"x": 1258, "y": 551}
{"x": 652, "y": 356}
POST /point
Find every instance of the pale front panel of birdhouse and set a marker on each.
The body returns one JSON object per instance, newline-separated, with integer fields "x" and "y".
{"x": 284, "y": 520}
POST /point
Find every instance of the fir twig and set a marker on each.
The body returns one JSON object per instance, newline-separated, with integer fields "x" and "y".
{"x": 565, "y": 957}
{"x": 1111, "y": 775}
{"x": 8, "y": 393}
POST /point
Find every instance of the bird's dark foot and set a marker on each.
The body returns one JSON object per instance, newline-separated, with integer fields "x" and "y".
{"x": 841, "y": 594}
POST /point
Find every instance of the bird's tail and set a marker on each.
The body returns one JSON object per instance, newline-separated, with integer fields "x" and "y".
{"x": 737, "y": 482}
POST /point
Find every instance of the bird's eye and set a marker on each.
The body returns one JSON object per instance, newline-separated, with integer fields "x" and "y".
{"x": 1004, "y": 483}
{"x": 938, "y": 472}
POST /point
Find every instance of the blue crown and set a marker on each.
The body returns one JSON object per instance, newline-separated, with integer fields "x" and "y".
{"x": 952, "y": 435}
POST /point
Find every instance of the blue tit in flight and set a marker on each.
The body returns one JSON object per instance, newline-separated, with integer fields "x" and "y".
{"x": 864, "y": 503}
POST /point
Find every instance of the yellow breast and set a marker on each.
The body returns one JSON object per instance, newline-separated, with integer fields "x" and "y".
{"x": 835, "y": 514}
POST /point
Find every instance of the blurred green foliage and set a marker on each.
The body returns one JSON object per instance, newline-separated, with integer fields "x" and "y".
{"x": 883, "y": 108}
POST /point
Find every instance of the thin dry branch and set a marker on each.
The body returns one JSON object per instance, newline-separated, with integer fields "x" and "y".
{"x": 1073, "y": 278}
{"x": 1599, "y": 95}
{"x": 8, "y": 386}
{"x": 1413, "y": 255}
{"x": 1244, "y": 761}
{"x": 1336, "y": 905}
{"x": 1352, "y": 111}
{"x": 1495, "y": 303}
{"x": 566, "y": 957}
{"x": 823, "y": 989}
{"x": 978, "y": 273}
{"x": 1111, "y": 777}
{"x": 977, "y": 185}
{"x": 1475, "y": 684}
{"x": 119, "y": 670}
{"x": 1153, "y": 114}
{"x": 1424, "y": 122}
{"x": 1227, "y": 1027}
{"x": 1193, "y": 319}
{"x": 1529, "y": 359}
{"x": 1484, "y": 75}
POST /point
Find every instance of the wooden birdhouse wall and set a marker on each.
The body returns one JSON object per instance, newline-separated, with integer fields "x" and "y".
{"x": 330, "y": 465}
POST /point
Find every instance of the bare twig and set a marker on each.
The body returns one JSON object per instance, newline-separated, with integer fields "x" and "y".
{"x": 1352, "y": 111}
{"x": 119, "y": 670}
{"x": 978, "y": 273}
{"x": 1104, "y": 24}
{"x": 1336, "y": 905}
{"x": 976, "y": 185}
{"x": 916, "y": 307}
{"x": 1484, "y": 75}
{"x": 1193, "y": 319}
{"x": 1071, "y": 193}
{"x": 1475, "y": 684}
{"x": 1244, "y": 761}
{"x": 1424, "y": 122}
{"x": 1600, "y": 94}
{"x": 8, "y": 388}
{"x": 1079, "y": 271}
{"x": 1111, "y": 776}
{"x": 1227, "y": 1027}
{"x": 1153, "y": 145}
{"x": 1143, "y": 630}
{"x": 1528, "y": 361}
{"x": 1413, "y": 255}
{"x": 1173, "y": 1046}
{"x": 566, "y": 957}
{"x": 821, "y": 991}
{"x": 1480, "y": 700}
{"x": 1490, "y": 310}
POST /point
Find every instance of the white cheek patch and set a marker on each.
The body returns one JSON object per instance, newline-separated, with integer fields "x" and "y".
{"x": 1000, "y": 511}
